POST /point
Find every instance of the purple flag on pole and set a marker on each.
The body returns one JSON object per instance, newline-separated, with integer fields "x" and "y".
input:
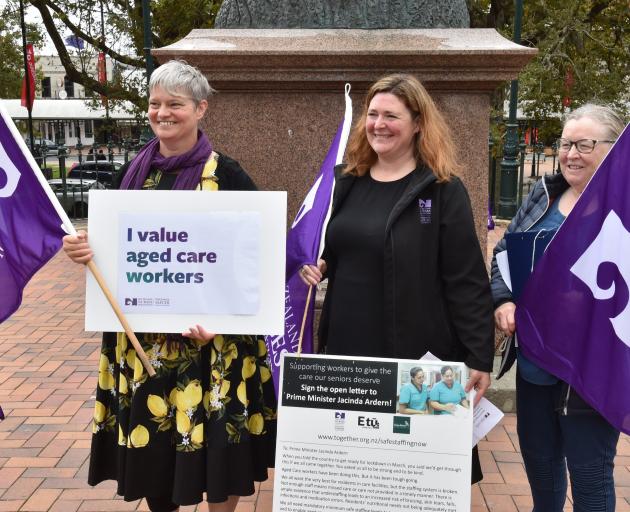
{"x": 75, "y": 42}
{"x": 30, "y": 228}
{"x": 574, "y": 315}
{"x": 303, "y": 247}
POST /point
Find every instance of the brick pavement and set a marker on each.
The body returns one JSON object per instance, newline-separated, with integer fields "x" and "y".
{"x": 48, "y": 371}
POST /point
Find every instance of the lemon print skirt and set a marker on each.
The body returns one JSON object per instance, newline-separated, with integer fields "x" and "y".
{"x": 203, "y": 428}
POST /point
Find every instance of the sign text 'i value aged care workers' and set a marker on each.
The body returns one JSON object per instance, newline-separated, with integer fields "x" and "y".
{"x": 189, "y": 263}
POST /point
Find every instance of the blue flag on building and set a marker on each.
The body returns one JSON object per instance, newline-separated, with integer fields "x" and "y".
{"x": 573, "y": 319}
{"x": 75, "y": 42}
{"x": 30, "y": 225}
{"x": 304, "y": 247}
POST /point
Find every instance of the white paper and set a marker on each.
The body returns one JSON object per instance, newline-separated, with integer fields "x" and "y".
{"x": 246, "y": 230}
{"x": 486, "y": 414}
{"x": 504, "y": 268}
{"x": 176, "y": 263}
{"x": 485, "y": 417}
{"x": 429, "y": 357}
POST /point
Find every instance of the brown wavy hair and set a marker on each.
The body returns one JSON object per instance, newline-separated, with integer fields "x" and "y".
{"x": 434, "y": 144}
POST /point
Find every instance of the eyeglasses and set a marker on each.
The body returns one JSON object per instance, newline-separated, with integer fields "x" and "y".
{"x": 583, "y": 146}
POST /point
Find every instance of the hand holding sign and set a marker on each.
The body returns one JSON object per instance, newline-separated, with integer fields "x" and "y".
{"x": 199, "y": 334}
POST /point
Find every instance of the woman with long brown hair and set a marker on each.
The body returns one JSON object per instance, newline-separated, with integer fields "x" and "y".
{"x": 404, "y": 266}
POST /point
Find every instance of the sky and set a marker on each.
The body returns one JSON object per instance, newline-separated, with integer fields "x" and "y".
{"x": 32, "y": 16}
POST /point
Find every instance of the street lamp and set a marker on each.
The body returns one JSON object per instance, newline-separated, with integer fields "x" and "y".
{"x": 509, "y": 163}
{"x": 148, "y": 39}
{"x": 148, "y": 43}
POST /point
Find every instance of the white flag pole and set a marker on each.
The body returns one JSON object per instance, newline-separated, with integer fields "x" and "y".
{"x": 343, "y": 142}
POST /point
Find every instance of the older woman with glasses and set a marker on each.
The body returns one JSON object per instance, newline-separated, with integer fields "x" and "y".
{"x": 556, "y": 428}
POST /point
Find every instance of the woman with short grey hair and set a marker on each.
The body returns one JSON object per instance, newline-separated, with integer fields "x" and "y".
{"x": 556, "y": 427}
{"x": 205, "y": 424}
{"x": 177, "y": 78}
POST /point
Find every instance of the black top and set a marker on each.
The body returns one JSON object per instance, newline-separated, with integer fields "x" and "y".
{"x": 356, "y": 238}
{"x": 436, "y": 290}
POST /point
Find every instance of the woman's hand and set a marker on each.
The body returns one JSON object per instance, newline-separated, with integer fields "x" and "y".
{"x": 504, "y": 318}
{"x": 312, "y": 275}
{"x": 77, "y": 248}
{"x": 198, "y": 334}
{"x": 478, "y": 380}
{"x": 437, "y": 406}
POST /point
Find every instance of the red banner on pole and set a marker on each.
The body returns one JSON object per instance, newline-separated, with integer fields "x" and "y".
{"x": 568, "y": 85}
{"x": 29, "y": 99}
{"x": 102, "y": 73}
{"x": 102, "y": 70}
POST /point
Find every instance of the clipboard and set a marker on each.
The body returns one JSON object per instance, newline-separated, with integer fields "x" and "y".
{"x": 524, "y": 249}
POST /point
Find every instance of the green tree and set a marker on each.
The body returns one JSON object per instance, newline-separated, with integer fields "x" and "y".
{"x": 583, "y": 51}
{"x": 583, "y": 54}
{"x": 123, "y": 41}
{"x": 12, "y": 60}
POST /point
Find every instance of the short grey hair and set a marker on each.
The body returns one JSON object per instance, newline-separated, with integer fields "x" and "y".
{"x": 178, "y": 78}
{"x": 602, "y": 114}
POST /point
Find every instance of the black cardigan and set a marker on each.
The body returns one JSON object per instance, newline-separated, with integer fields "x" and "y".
{"x": 437, "y": 294}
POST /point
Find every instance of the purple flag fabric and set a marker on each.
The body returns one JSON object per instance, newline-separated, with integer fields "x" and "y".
{"x": 75, "y": 42}
{"x": 573, "y": 318}
{"x": 303, "y": 242}
{"x": 30, "y": 228}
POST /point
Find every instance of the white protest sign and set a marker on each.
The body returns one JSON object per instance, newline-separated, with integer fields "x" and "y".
{"x": 342, "y": 442}
{"x": 179, "y": 258}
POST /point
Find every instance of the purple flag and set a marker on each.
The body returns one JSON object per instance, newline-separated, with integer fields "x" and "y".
{"x": 574, "y": 316}
{"x": 30, "y": 227}
{"x": 75, "y": 42}
{"x": 303, "y": 247}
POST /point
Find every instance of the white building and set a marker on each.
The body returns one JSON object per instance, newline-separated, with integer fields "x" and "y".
{"x": 55, "y": 84}
{"x": 71, "y": 120}
{"x": 63, "y": 112}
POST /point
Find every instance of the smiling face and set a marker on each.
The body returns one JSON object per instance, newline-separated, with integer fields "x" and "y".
{"x": 390, "y": 127}
{"x": 447, "y": 377}
{"x": 418, "y": 379}
{"x": 174, "y": 118}
{"x": 577, "y": 168}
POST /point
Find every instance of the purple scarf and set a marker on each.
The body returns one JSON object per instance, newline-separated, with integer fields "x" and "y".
{"x": 190, "y": 164}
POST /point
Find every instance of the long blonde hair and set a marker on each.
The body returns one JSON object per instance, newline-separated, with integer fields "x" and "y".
{"x": 433, "y": 144}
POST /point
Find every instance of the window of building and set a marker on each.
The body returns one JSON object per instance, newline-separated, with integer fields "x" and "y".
{"x": 89, "y": 129}
{"x": 68, "y": 86}
{"x": 46, "y": 93}
{"x": 59, "y": 132}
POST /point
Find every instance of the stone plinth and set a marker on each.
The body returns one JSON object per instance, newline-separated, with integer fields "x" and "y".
{"x": 281, "y": 92}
